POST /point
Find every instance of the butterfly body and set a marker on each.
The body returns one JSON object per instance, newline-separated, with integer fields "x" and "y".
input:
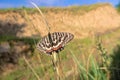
{"x": 54, "y": 42}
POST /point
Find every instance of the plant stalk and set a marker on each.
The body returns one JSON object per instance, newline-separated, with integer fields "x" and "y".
{"x": 31, "y": 68}
{"x": 56, "y": 65}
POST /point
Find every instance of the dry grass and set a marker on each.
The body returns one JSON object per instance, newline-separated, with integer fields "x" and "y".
{"x": 99, "y": 18}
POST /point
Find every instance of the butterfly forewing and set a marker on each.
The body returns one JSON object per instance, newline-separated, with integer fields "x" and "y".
{"x": 54, "y": 42}
{"x": 44, "y": 44}
{"x": 67, "y": 37}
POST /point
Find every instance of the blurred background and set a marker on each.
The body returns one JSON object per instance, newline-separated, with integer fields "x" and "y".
{"x": 94, "y": 53}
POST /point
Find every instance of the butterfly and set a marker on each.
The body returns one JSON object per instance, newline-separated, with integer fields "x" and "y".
{"x": 54, "y": 42}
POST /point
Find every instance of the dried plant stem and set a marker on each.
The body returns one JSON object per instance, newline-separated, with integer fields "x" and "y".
{"x": 36, "y": 75}
{"x": 26, "y": 16}
{"x": 44, "y": 19}
{"x": 88, "y": 63}
{"x": 56, "y": 65}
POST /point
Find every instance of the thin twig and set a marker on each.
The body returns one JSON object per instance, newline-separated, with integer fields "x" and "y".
{"x": 31, "y": 68}
{"x": 32, "y": 25}
{"x": 88, "y": 62}
{"x": 44, "y": 19}
{"x": 112, "y": 68}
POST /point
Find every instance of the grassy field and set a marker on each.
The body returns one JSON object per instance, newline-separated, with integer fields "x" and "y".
{"x": 87, "y": 59}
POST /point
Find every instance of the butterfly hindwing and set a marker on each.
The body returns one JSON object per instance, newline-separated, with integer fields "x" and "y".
{"x": 54, "y": 42}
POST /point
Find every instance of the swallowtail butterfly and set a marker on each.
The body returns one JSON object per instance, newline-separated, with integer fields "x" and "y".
{"x": 54, "y": 42}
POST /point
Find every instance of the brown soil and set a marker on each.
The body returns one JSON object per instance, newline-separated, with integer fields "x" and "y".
{"x": 100, "y": 19}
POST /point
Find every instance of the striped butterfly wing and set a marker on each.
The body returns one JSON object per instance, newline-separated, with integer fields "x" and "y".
{"x": 54, "y": 42}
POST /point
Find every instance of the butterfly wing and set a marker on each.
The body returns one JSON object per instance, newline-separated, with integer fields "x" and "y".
{"x": 67, "y": 37}
{"x": 59, "y": 40}
{"x": 44, "y": 45}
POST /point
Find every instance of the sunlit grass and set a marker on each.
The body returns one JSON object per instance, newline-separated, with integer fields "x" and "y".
{"x": 93, "y": 71}
{"x": 76, "y": 49}
{"x": 72, "y": 9}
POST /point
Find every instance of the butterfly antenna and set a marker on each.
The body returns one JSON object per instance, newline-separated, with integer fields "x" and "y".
{"x": 44, "y": 19}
